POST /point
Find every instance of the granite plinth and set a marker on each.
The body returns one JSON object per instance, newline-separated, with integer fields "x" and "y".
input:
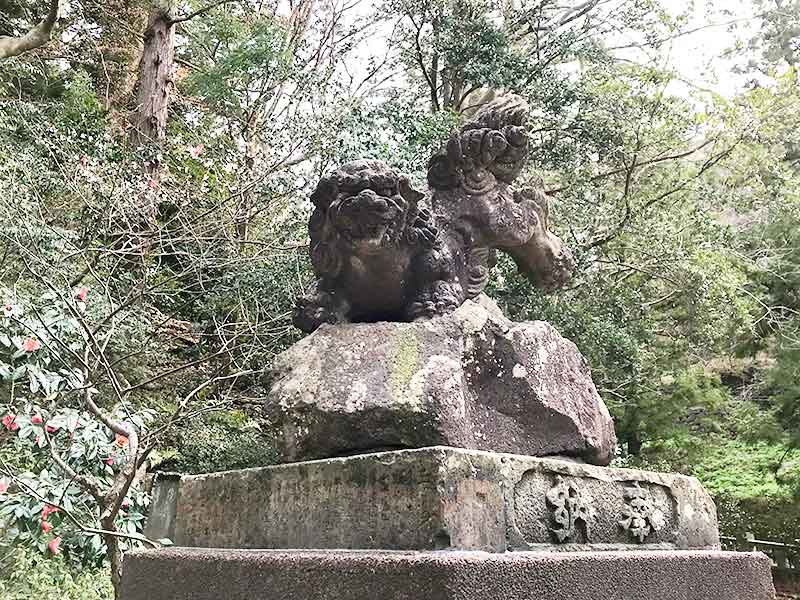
{"x": 435, "y": 499}
{"x": 212, "y": 574}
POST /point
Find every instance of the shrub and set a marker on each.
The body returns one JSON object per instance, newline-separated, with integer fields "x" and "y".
{"x": 28, "y": 574}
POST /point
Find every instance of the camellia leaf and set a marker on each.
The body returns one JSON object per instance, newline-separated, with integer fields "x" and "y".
{"x": 19, "y": 372}
{"x": 72, "y": 421}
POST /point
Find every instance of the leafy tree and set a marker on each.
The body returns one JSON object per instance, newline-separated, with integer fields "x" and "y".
{"x": 778, "y": 39}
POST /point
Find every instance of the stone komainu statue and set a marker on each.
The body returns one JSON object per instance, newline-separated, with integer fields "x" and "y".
{"x": 379, "y": 256}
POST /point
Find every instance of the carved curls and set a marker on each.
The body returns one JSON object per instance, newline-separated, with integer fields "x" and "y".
{"x": 492, "y": 146}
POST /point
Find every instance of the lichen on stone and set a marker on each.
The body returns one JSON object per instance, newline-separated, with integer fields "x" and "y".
{"x": 404, "y": 360}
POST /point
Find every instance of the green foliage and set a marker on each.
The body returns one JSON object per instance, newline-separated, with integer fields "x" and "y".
{"x": 82, "y": 109}
{"x": 32, "y": 491}
{"x": 40, "y": 380}
{"x": 776, "y": 42}
{"x": 250, "y": 56}
{"x": 742, "y": 470}
{"x": 219, "y": 442}
{"x": 682, "y": 403}
{"x": 27, "y": 575}
{"x": 398, "y": 131}
{"x": 768, "y": 518}
{"x": 682, "y": 213}
{"x": 784, "y": 386}
{"x": 472, "y": 45}
{"x": 29, "y": 353}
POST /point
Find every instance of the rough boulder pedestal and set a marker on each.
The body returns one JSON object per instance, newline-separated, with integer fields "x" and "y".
{"x": 470, "y": 379}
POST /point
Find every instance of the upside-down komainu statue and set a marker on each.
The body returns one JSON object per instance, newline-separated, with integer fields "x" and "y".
{"x": 379, "y": 256}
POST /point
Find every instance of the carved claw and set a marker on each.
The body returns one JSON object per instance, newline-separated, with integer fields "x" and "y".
{"x": 309, "y": 315}
{"x": 423, "y": 310}
{"x": 423, "y": 231}
{"x": 437, "y": 298}
{"x": 503, "y": 153}
{"x": 312, "y": 311}
{"x": 510, "y": 110}
{"x": 429, "y": 235}
{"x": 494, "y": 142}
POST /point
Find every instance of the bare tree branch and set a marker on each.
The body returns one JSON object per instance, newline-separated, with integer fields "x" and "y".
{"x": 615, "y": 231}
{"x": 200, "y": 11}
{"x": 87, "y": 483}
{"x": 421, "y": 61}
{"x": 636, "y": 165}
{"x": 36, "y": 37}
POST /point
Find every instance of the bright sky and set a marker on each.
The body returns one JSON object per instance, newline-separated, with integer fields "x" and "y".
{"x": 698, "y": 56}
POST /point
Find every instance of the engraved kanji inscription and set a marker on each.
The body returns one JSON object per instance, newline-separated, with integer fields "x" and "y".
{"x": 571, "y": 511}
{"x": 640, "y": 517}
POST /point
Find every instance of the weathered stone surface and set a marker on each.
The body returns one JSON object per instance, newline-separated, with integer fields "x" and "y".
{"x": 194, "y": 574}
{"x": 471, "y": 379}
{"x": 163, "y": 504}
{"x": 443, "y": 498}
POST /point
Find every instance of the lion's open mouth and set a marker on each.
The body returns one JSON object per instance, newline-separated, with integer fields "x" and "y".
{"x": 373, "y": 235}
{"x": 367, "y": 218}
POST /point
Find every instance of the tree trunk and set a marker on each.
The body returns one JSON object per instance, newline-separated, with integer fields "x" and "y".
{"x": 629, "y": 430}
{"x": 156, "y": 72}
{"x": 114, "y": 556}
{"x": 634, "y": 444}
{"x": 445, "y": 88}
{"x": 434, "y": 85}
{"x": 108, "y": 514}
{"x": 456, "y": 88}
{"x": 120, "y": 54}
{"x": 154, "y": 87}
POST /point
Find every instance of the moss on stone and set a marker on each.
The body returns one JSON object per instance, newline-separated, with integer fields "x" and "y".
{"x": 405, "y": 360}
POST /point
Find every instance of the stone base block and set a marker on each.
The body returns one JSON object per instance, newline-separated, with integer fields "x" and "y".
{"x": 199, "y": 574}
{"x": 435, "y": 499}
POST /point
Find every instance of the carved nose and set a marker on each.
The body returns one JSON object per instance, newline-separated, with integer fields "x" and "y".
{"x": 389, "y": 204}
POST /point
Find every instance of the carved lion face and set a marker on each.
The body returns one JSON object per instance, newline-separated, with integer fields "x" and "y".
{"x": 364, "y": 205}
{"x": 367, "y": 219}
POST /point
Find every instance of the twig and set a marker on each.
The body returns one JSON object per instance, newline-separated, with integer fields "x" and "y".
{"x": 197, "y": 13}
